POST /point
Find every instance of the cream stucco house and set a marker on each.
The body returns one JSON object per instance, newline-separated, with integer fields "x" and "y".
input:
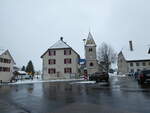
{"x": 133, "y": 58}
{"x": 60, "y": 61}
{"x": 6, "y": 66}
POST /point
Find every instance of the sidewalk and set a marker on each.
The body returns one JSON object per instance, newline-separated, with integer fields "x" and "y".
{"x": 41, "y": 81}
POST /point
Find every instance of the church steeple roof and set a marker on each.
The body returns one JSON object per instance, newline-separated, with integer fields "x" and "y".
{"x": 90, "y": 41}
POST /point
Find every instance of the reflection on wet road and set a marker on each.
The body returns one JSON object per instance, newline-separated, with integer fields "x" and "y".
{"x": 120, "y": 95}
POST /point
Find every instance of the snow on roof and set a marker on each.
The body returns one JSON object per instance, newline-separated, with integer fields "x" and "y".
{"x": 60, "y": 44}
{"x": 22, "y": 72}
{"x": 6, "y": 50}
{"x": 2, "y": 51}
{"x": 140, "y": 52}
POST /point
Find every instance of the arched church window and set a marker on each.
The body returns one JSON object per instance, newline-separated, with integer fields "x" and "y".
{"x": 90, "y": 49}
{"x": 91, "y": 64}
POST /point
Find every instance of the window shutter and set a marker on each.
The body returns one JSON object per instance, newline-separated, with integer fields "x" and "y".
{"x": 49, "y": 53}
{"x": 64, "y": 70}
{"x": 70, "y": 61}
{"x": 49, "y": 71}
{"x": 64, "y": 52}
{"x": 54, "y": 70}
{"x": 64, "y": 61}
{"x": 70, "y": 52}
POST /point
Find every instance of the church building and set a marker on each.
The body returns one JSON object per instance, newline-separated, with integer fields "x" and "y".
{"x": 90, "y": 55}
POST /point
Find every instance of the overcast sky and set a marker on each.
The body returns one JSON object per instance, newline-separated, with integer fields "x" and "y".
{"x": 29, "y": 27}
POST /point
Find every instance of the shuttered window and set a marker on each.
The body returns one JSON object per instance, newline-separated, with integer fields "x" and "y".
{"x": 52, "y": 52}
{"x": 4, "y": 69}
{"x": 67, "y": 70}
{"x": 52, "y": 71}
{"x": 4, "y": 60}
{"x": 67, "y": 52}
{"x": 67, "y": 61}
{"x": 52, "y": 61}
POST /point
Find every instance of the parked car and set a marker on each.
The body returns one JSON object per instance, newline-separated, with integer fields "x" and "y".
{"x": 143, "y": 76}
{"x": 98, "y": 77}
{"x": 26, "y": 77}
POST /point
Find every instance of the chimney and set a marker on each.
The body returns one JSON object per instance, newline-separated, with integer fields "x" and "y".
{"x": 131, "y": 45}
{"x": 61, "y": 38}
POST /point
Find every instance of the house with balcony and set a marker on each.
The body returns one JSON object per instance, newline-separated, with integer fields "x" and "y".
{"x": 60, "y": 61}
{"x": 134, "y": 58}
{"x": 6, "y": 66}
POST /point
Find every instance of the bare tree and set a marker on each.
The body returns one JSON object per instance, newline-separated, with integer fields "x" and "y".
{"x": 106, "y": 56}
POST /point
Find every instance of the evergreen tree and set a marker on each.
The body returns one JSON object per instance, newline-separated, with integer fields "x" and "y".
{"x": 30, "y": 68}
{"x": 23, "y": 68}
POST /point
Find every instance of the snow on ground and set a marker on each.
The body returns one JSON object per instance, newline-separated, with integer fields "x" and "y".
{"x": 113, "y": 75}
{"x": 89, "y": 82}
{"x": 84, "y": 82}
{"x": 41, "y": 81}
{"x": 79, "y": 81}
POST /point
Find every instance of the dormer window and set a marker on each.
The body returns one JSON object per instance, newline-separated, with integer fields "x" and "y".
{"x": 90, "y": 49}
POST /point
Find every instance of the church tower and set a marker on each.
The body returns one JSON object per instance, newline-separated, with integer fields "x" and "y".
{"x": 90, "y": 55}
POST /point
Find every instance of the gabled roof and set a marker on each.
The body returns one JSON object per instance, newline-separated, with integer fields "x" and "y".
{"x": 60, "y": 44}
{"x": 140, "y": 52}
{"x": 2, "y": 51}
{"x": 90, "y": 41}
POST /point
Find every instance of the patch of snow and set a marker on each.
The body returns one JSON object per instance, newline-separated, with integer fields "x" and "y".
{"x": 42, "y": 81}
{"x": 59, "y": 44}
{"x": 84, "y": 82}
{"x": 2, "y": 51}
{"x": 114, "y": 66}
{"x": 140, "y": 52}
{"x": 26, "y": 82}
{"x": 115, "y": 75}
{"x": 22, "y": 72}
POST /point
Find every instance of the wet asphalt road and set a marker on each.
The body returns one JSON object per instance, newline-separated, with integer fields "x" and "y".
{"x": 121, "y": 95}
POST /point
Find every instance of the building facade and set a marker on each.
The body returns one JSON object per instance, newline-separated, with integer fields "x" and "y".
{"x": 6, "y": 66}
{"x": 134, "y": 59}
{"x": 90, "y": 55}
{"x": 60, "y": 61}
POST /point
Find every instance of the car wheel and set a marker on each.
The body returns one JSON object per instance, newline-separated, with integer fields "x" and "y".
{"x": 141, "y": 82}
{"x": 107, "y": 80}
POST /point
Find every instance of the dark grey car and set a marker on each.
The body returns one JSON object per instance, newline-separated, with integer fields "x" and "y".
{"x": 143, "y": 76}
{"x": 98, "y": 77}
